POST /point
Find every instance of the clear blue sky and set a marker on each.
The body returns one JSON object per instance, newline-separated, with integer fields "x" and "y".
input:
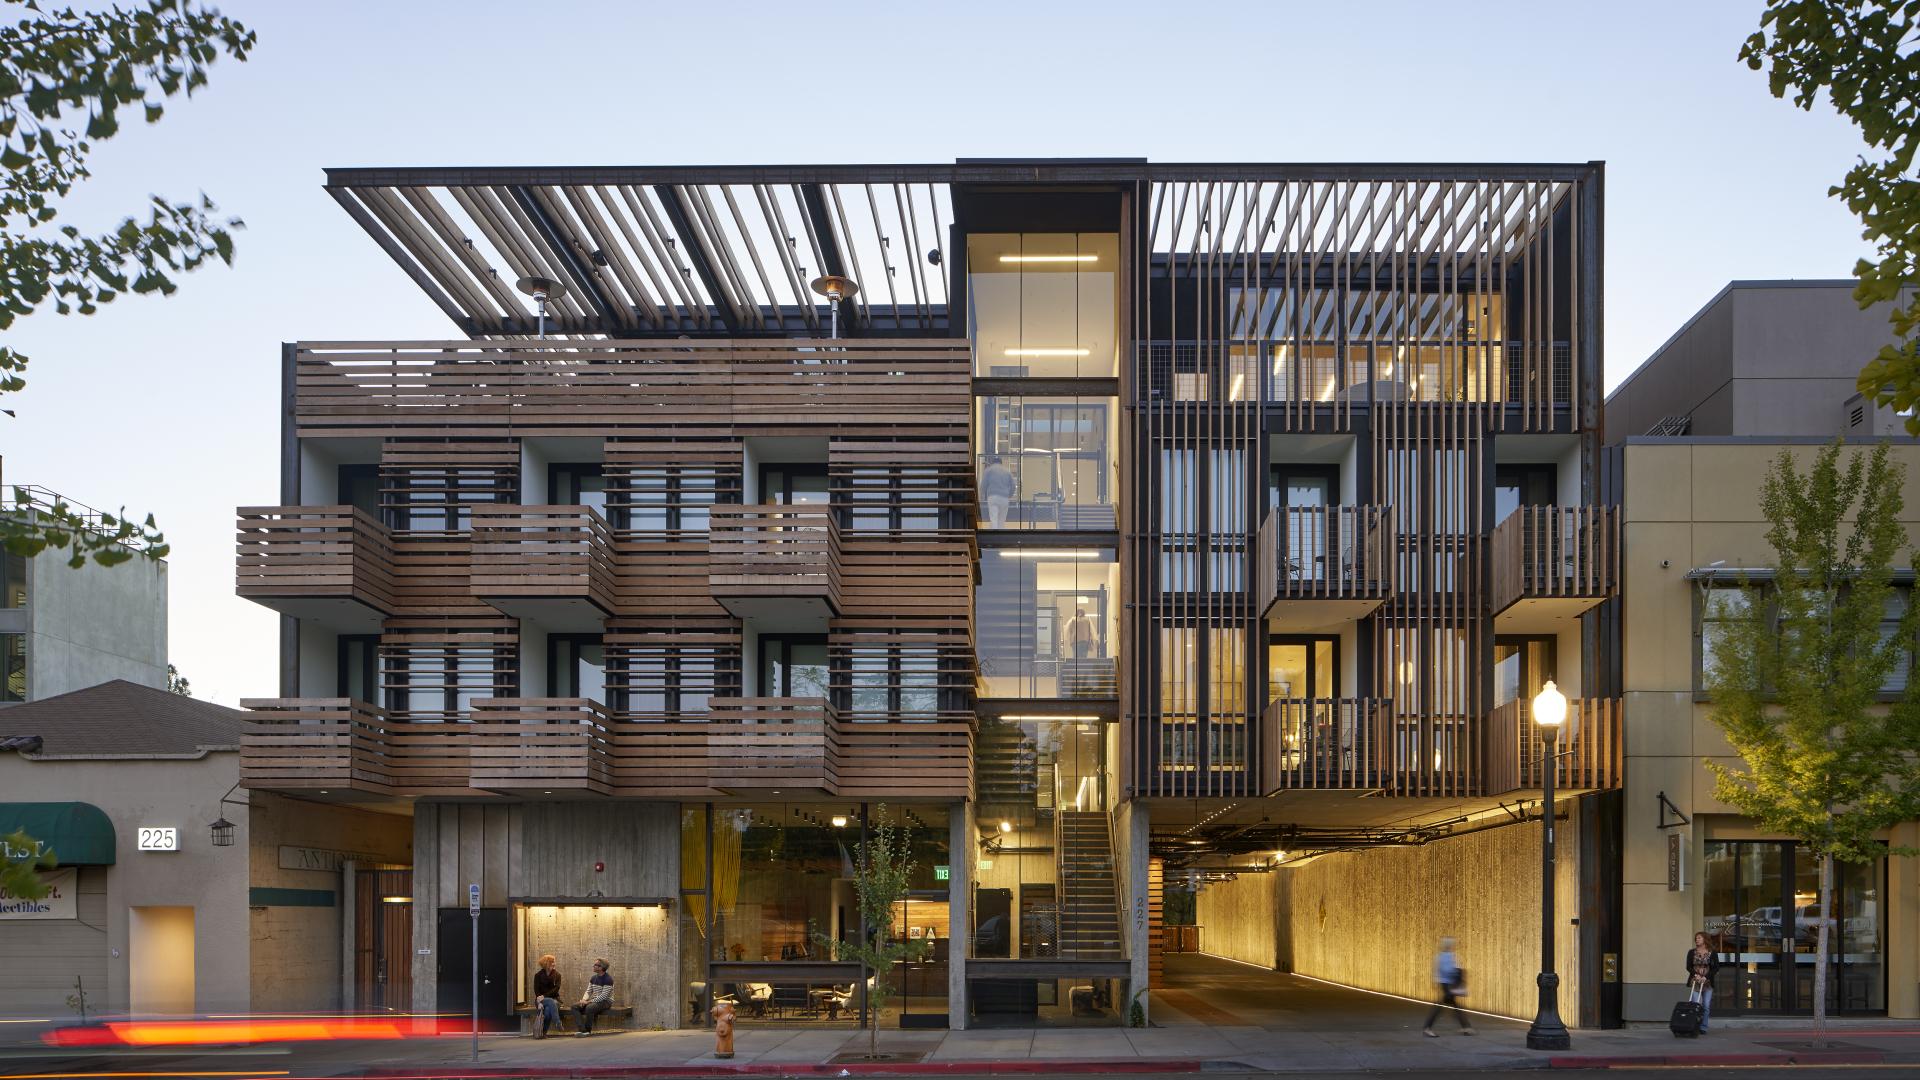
{"x": 170, "y": 405}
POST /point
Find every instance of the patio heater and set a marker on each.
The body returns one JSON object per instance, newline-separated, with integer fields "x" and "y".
{"x": 542, "y": 290}
{"x": 835, "y": 288}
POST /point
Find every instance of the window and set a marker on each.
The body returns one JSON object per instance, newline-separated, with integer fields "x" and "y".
{"x": 793, "y": 665}
{"x": 794, "y": 484}
{"x": 1890, "y": 622}
{"x": 1521, "y": 667}
{"x": 13, "y": 580}
{"x": 359, "y": 667}
{"x": 670, "y": 500}
{"x": 1515, "y": 486}
{"x": 1718, "y": 606}
{"x": 441, "y": 682}
{"x": 669, "y": 682}
{"x": 1046, "y": 462}
{"x": 578, "y": 485}
{"x": 898, "y": 500}
{"x": 13, "y": 667}
{"x": 358, "y": 486}
{"x": 886, "y": 683}
{"x": 442, "y": 499}
{"x": 576, "y": 667}
{"x": 1043, "y": 305}
{"x": 1047, "y": 622}
{"x": 1303, "y": 668}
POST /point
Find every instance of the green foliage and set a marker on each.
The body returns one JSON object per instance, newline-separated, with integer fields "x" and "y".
{"x": 1862, "y": 55}
{"x": 37, "y": 521}
{"x": 1798, "y": 668}
{"x": 21, "y": 877}
{"x": 882, "y": 873}
{"x": 177, "y": 683}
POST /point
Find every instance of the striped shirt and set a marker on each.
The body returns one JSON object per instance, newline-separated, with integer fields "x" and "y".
{"x": 600, "y": 988}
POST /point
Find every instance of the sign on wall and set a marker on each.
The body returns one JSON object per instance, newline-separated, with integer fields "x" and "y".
{"x": 326, "y": 859}
{"x": 156, "y": 838}
{"x": 1676, "y": 863}
{"x": 59, "y": 903}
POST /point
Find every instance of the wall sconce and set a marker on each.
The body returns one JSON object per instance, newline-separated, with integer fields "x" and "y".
{"x": 839, "y": 821}
{"x": 221, "y": 828}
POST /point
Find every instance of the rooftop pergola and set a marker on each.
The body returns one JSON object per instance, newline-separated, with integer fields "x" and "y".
{"x": 645, "y": 251}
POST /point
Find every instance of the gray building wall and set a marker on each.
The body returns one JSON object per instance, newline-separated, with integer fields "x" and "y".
{"x": 91, "y": 625}
{"x": 1771, "y": 358}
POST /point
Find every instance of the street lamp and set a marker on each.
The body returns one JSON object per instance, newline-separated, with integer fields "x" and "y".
{"x": 1548, "y": 1032}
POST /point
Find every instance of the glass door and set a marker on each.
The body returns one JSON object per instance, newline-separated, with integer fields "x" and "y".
{"x": 1762, "y": 900}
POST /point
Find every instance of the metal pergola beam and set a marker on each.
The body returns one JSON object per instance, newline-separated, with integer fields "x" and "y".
{"x": 584, "y": 280}
{"x": 696, "y": 255}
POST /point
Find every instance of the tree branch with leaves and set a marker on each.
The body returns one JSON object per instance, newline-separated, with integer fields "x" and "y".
{"x": 1799, "y": 670}
{"x": 20, "y": 868}
{"x": 61, "y": 67}
{"x": 882, "y": 874}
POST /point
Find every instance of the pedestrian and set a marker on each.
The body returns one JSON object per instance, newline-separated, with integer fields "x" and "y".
{"x": 597, "y": 999}
{"x": 1451, "y": 979}
{"x": 1080, "y": 635}
{"x": 546, "y": 997}
{"x": 1702, "y": 965}
{"x": 997, "y": 488}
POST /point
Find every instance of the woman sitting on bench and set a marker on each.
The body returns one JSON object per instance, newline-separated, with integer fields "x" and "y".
{"x": 597, "y": 999}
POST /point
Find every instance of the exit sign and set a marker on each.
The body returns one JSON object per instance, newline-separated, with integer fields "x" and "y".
{"x": 943, "y": 873}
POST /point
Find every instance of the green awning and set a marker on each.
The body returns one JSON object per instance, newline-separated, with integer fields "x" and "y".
{"x": 77, "y": 833}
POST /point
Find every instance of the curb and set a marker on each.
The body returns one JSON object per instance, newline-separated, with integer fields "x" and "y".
{"x": 1029, "y": 1066}
{"x": 1633, "y": 1061}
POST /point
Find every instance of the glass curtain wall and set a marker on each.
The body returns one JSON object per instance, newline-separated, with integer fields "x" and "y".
{"x": 1047, "y": 622}
{"x": 1043, "y": 305}
{"x": 1046, "y": 462}
{"x": 1762, "y": 910}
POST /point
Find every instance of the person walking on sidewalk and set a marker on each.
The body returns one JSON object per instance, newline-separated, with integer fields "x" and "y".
{"x": 546, "y": 997}
{"x": 1452, "y": 983}
{"x": 1702, "y": 965}
{"x": 597, "y": 999}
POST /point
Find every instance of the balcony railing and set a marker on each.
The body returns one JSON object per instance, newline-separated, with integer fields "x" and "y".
{"x": 1556, "y": 553}
{"x": 308, "y": 560}
{"x": 1590, "y": 750}
{"x": 544, "y": 745}
{"x": 772, "y": 743}
{"x": 1328, "y": 743}
{"x": 763, "y": 558}
{"x": 1342, "y": 553}
{"x": 309, "y": 744}
{"x": 543, "y": 562}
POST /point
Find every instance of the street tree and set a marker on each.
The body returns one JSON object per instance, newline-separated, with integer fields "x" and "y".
{"x": 882, "y": 873}
{"x": 1863, "y": 56}
{"x": 1798, "y": 670}
{"x": 66, "y": 76}
{"x": 21, "y": 860}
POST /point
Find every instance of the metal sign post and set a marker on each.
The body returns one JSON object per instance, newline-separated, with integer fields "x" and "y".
{"x": 473, "y": 912}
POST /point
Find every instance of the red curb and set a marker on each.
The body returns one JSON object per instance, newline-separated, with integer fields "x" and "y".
{"x": 1625, "y": 1061}
{"x": 722, "y": 1068}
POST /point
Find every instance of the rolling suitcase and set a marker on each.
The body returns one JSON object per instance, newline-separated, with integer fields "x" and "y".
{"x": 1687, "y": 1015}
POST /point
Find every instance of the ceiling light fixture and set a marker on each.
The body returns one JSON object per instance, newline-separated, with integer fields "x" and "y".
{"x": 1046, "y": 351}
{"x": 1047, "y": 553}
{"x": 1049, "y": 258}
{"x": 1054, "y": 716}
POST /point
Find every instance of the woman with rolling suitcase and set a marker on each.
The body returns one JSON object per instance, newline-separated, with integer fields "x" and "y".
{"x": 1703, "y": 963}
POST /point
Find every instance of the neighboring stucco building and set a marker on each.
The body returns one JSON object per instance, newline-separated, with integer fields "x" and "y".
{"x": 64, "y": 628}
{"x": 125, "y": 784}
{"x": 1762, "y": 358}
{"x": 1692, "y": 524}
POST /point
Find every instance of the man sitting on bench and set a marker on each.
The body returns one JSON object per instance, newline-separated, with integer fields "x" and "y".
{"x": 597, "y": 999}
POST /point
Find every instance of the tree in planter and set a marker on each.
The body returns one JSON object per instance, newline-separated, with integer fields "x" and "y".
{"x": 60, "y": 66}
{"x": 20, "y": 876}
{"x": 1797, "y": 671}
{"x": 882, "y": 871}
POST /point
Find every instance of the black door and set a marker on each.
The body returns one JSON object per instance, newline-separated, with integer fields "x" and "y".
{"x": 454, "y": 950}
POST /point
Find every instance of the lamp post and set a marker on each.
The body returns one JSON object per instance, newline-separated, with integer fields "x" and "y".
{"x": 1548, "y": 1032}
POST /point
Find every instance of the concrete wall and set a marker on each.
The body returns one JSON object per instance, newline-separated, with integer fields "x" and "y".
{"x": 548, "y": 849}
{"x": 1689, "y": 504}
{"x": 211, "y": 881}
{"x": 1239, "y": 919}
{"x": 298, "y": 949}
{"x": 1373, "y": 919}
{"x": 94, "y": 624}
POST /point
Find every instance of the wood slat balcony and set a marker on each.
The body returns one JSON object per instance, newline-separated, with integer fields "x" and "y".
{"x": 1325, "y": 744}
{"x": 331, "y": 564}
{"x": 1590, "y": 752}
{"x": 540, "y": 746}
{"x": 549, "y": 564}
{"x": 1321, "y": 566}
{"x": 904, "y": 759}
{"x": 314, "y": 744}
{"x": 772, "y": 744}
{"x": 1551, "y": 564}
{"x": 778, "y": 563}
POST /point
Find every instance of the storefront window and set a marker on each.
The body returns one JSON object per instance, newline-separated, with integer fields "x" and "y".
{"x": 1047, "y": 621}
{"x": 1762, "y": 910}
{"x": 1046, "y": 462}
{"x": 1043, "y": 305}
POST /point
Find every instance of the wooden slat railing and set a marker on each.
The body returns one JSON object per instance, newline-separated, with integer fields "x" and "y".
{"x": 305, "y": 744}
{"x": 1326, "y": 743}
{"x": 904, "y": 760}
{"x": 772, "y": 743}
{"x": 1591, "y": 747}
{"x": 1326, "y": 553}
{"x": 542, "y": 552}
{"x": 540, "y": 744}
{"x": 1555, "y": 551}
{"x": 314, "y": 552}
{"x": 765, "y": 552}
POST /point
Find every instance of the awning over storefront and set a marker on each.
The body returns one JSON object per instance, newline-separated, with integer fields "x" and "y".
{"x": 77, "y": 833}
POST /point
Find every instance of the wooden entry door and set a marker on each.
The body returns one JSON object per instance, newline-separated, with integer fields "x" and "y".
{"x": 383, "y": 941}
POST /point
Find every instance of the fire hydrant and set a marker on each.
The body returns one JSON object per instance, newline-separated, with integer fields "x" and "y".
{"x": 723, "y": 1029}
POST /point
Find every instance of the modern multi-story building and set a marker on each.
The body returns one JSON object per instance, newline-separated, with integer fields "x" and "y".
{"x": 1093, "y": 520}
{"x": 65, "y": 628}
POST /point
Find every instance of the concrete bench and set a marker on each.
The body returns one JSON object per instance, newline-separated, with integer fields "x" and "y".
{"x": 615, "y": 1017}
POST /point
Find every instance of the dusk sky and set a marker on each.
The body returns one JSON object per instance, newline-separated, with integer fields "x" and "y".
{"x": 172, "y": 405}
